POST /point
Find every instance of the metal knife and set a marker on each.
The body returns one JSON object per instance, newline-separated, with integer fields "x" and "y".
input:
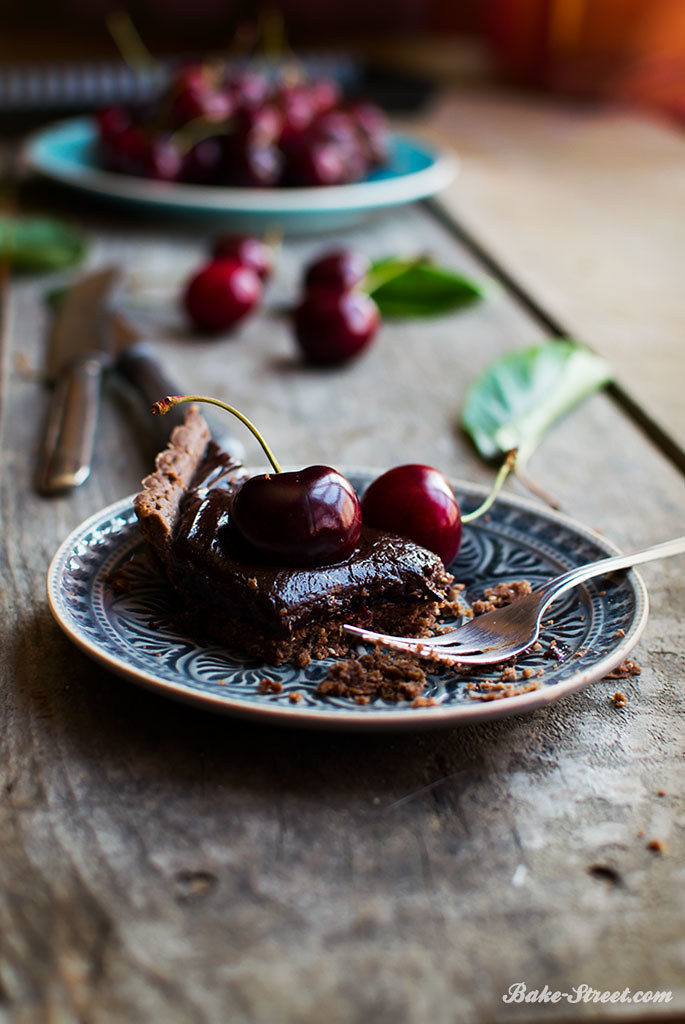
{"x": 79, "y": 348}
{"x": 136, "y": 361}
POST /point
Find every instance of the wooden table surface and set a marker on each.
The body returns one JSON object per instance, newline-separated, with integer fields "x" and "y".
{"x": 159, "y": 863}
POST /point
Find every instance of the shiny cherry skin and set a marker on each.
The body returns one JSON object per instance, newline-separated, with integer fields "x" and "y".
{"x": 112, "y": 121}
{"x": 306, "y": 518}
{"x": 220, "y": 294}
{"x": 251, "y": 163}
{"x": 203, "y": 163}
{"x": 311, "y": 162}
{"x": 332, "y": 327}
{"x": 417, "y": 502}
{"x": 161, "y": 160}
{"x": 339, "y": 269}
{"x": 250, "y": 251}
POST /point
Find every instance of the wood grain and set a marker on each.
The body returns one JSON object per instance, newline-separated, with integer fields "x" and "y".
{"x": 584, "y": 207}
{"x": 162, "y": 864}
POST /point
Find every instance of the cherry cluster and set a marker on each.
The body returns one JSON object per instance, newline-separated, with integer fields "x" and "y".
{"x": 215, "y": 126}
{"x": 313, "y": 516}
{"x": 334, "y": 320}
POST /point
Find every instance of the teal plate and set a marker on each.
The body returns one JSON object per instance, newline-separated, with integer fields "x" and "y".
{"x": 133, "y": 634}
{"x": 65, "y": 152}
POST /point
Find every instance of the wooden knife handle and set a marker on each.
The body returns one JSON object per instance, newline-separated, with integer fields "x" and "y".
{"x": 69, "y": 433}
{"x": 143, "y": 370}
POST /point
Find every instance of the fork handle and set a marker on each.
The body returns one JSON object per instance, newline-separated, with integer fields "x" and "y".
{"x": 569, "y": 579}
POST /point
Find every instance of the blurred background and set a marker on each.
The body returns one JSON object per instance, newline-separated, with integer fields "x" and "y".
{"x": 57, "y": 56}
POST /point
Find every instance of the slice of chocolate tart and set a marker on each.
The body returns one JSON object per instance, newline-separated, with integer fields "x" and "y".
{"x": 274, "y": 613}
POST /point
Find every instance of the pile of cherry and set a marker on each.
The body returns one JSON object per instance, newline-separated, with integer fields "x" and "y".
{"x": 213, "y": 126}
{"x": 334, "y": 320}
{"x": 313, "y": 516}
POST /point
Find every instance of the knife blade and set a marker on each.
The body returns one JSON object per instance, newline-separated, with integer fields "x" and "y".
{"x": 137, "y": 362}
{"x": 79, "y": 348}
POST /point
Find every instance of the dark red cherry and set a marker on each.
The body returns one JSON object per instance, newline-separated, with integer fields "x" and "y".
{"x": 339, "y": 269}
{"x": 332, "y": 326}
{"x": 126, "y": 151}
{"x": 251, "y": 163}
{"x": 297, "y": 108}
{"x": 312, "y": 162}
{"x": 202, "y": 164}
{"x": 325, "y": 94}
{"x": 373, "y": 129}
{"x": 248, "y": 89}
{"x": 200, "y": 101}
{"x": 262, "y": 124}
{"x": 251, "y": 252}
{"x": 112, "y": 121}
{"x": 309, "y": 517}
{"x": 221, "y": 294}
{"x": 417, "y": 502}
{"x": 161, "y": 159}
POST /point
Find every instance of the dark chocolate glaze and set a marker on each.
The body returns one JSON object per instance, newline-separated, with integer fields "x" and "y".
{"x": 206, "y": 562}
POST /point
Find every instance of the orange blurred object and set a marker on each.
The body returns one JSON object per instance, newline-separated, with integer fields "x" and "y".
{"x": 631, "y": 50}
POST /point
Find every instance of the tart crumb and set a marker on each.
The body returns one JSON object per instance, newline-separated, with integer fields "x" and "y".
{"x": 295, "y": 697}
{"x": 619, "y": 700}
{"x": 500, "y": 595}
{"x": 628, "y": 667}
{"x": 656, "y": 846}
{"x": 267, "y": 685}
{"x": 391, "y": 676}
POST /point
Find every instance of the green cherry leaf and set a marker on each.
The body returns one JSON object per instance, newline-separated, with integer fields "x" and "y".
{"x": 418, "y": 288}
{"x": 39, "y": 243}
{"x": 518, "y": 397}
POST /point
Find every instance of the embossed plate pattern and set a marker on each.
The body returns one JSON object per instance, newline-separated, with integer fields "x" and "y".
{"x": 594, "y": 626}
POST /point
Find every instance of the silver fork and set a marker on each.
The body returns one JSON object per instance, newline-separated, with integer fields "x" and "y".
{"x": 506, "y": 632}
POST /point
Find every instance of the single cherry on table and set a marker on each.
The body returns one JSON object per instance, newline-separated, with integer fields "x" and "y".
{"x": 220, "y": 294}
{"x": 339, "y": 269}
{"x": 252, "y": 252}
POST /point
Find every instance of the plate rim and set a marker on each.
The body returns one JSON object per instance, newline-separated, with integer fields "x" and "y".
{"x": 364, "y": 195}
{"x": 343, "y": 719}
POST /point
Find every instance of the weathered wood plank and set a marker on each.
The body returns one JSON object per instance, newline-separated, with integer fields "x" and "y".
{"x": 159, "y": 863}
{"x": 584, "y": 207}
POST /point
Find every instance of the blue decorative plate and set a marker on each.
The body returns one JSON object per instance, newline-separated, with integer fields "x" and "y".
{"x": 65, "y": 152}
{"x": 594, "y": 626}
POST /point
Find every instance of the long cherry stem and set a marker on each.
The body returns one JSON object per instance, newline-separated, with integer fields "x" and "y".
{"x": 504, "y": 471}
{"x": 165, "y": 404}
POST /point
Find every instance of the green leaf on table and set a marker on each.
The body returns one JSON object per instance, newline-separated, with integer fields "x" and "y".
{"x": 39, "y": 243}
{"x": 518, "y": 397}
{"x": 415, "y": 288}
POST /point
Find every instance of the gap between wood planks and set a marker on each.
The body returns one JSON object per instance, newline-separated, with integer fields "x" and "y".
{"x": 667, "y": 445}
